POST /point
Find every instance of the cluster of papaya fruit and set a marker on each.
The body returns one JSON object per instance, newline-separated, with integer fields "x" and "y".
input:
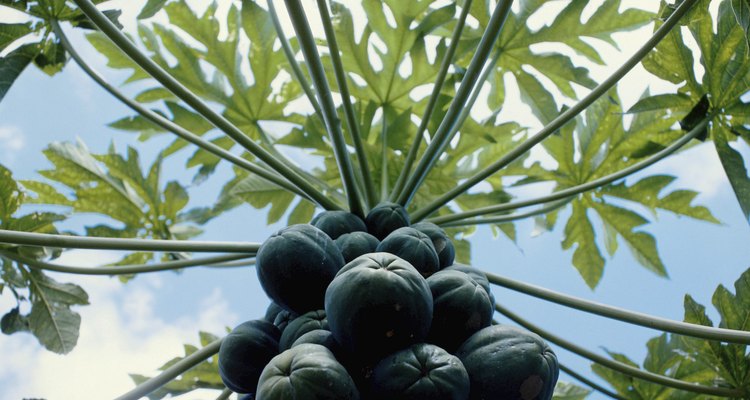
{"x": 377, "y": 309}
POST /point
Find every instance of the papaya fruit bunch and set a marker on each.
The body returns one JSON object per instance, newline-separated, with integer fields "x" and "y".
{"x": 377, "y": 309}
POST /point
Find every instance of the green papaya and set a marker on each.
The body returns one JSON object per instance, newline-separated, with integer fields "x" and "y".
{"x": 295, "y": 266}
{"x": 506, "y": 362}
{"x": 306, "y": 372}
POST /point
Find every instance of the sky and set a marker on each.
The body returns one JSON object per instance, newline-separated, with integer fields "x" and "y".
{"x": 136, "y": 327}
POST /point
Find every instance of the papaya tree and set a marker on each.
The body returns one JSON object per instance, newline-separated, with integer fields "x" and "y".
{"x": 381, "y": 127}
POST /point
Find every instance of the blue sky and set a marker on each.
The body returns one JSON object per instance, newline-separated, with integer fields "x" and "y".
{"x": 134, "y": 328}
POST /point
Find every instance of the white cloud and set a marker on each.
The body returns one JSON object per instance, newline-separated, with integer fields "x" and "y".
{"x": 120, "y": 334}
{"x": 12, "y": 140}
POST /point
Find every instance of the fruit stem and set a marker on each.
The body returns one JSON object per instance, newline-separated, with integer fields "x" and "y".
{"x": 173, "y": 371}
{"x": 125, "y": 269}
{"x": 571, "y": 191}
{"x": 443, "y": 133}
{"x": 173, "y": 85}
{"x": 346, "y": 102}
{"x": 78, "y": 242}
{"x": 619, "y": 366}
{"x": 325, "y": 97}
{"x": 621, "y": 314}
{"x": 561, "y": 119}
{"x": 432, "y": 102}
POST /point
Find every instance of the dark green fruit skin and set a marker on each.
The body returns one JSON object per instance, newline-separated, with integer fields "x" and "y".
{"x": 460, "y": 308}
{"x": 306, "y": 322}
{"x": 337, "y": 223}
{"x": 350, "y": 361}
{"x": 245, "y": 352}
{"x": 272, "y": 312}
{"x": 283, "y": 318}
{"x": 295, "y": 266}
{"x": 322, "y": 337}
{"x": 420, "y": 372}
{"x": 353, "y": 245}
{"x": 385, "y": 218}
{"x": 506, "y": 362}
{"x": 378, "y": 304}
{"x": 443, "y": 245}
{"x": 414, "y": 247}
{"x": 306, "y": 372}
{"x": 477, "y": 275}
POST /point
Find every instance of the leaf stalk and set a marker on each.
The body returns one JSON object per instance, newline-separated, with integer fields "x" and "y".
{"x": 173, "y": 371}
{"x": 351, "y": 119}
{"x": 432, "y": 102}
{"x": 619, "y": 366}
{"x": 330, "y": 117}
{"x": 126, "y": 269}
{"x": 561, "y": 119}
{"x": 173, "y": 85}
{"x": 621, "y": 314}
{"x": 167, "y": 124}
{"x": 571, "y": 191}
{"x": 443, "y": 134}
{"x": 100, "y": 243}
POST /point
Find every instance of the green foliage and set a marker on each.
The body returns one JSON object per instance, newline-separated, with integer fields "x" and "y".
{"x": 50, "y": 318}
{"x": 114, "y": 186}
{"x": 205, "y": 375}
{"x": 691, "y": 359}
{"x": 724, "y": 57}
{"x": 383, "y": 84}
{"x": 569, "y": 391}
{"x": 517, "y": 57}
{"x": 233, "y": 63}
{"x": 598, "y": 144}
{"x": 45, "y": 50}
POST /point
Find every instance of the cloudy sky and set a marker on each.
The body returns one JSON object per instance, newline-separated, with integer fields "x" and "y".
{"x": 136, "y": 327}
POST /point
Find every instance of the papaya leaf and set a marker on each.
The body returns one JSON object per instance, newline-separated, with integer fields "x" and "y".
{"x": 392, "y": 46}
{"x": 647, "y": 191}
{"x": 661, "y": 102}
{"x": 12, "y": 64}
{"x": 734, "y": 167}
{"x": 205, "y": 375}
{"x": 115, "y": 58}
{"x": 213, "y": 67}
{"x": 665, "y": 357}
{"x": 729, "y": 363}
{"x": 569, "y": 391}
{"x": 566, "y": 28}
{"x": 641, "y": 244}
{"x": 587, "y": 258}
{"x": 741, "y": 10}
{"x": 598, "y": 144}
{"x": 47, "y": 53}
{"x": 9, "y": 33}
{"x": 260, "y": 193}
{"x": 112, "y": 185}
{"x": 151, "y": 8}
{"x": 11, "y": 196}
{"x": 13, "y": 321}
{"x": 51, "y": 320}
{"x": 725, "y": 56}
